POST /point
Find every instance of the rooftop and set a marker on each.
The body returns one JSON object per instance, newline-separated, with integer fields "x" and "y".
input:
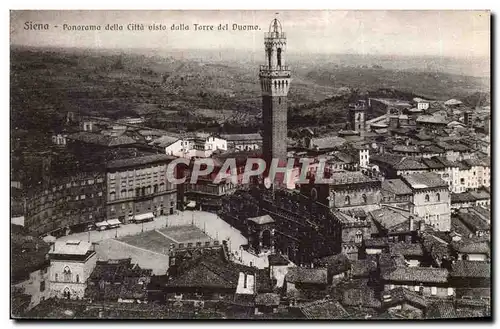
{"x": 407, "y": 249}
{"x": 417, "y": 274}
{"x": 470, "y": 269}
{"x": 138, "y": 161}
{"x": 324, "y": 309}
{"x": 241, "y": 137}
{"x": 165, "y": 141}
{"x": 400, "y": 294}
{"x": 71, "y": 247}
{"x": 266, "y": 219}
{"x": 388, "y": 217}
{"x": 307, "y": 275}
{"x": 424, "y": 180}
{"x": 327, "y": 142}
{"x": 396, "y": 186}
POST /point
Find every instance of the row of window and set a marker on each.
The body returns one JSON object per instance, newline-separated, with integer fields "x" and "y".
{"x": 428, "y": 198}
{"x": 347, "y": 200}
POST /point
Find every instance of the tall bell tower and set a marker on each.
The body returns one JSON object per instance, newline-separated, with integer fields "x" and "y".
{"x": 275, "y": 82}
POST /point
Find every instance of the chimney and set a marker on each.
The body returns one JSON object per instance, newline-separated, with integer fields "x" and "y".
{"x": 412, "y": 223}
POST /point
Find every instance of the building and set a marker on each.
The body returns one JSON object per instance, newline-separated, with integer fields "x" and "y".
{"x": 243, "y": 142}
{"x": 275, "y": 79}
{"x": 346, "y": 190}
{"x": 431, "y": 199}
{"x": 199, "y": 145}
{"x": 72, "y": 203}
{"x": 395, "y": 192}
{"x": 71, "y": 263}
{"x": 118, "y": 280}
{"x": 138, "y": 186}
{"x": 421, "y": 104}
{"x": 29, "y": 267}
{"x": 357, "y": 117}
{"x": 427, "y": 281}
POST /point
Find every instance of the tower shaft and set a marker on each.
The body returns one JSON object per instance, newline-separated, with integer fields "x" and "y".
{"x": 275, "y": 81}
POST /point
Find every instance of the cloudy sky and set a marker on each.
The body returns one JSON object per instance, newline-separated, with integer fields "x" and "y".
{"x": 441, "y": 33}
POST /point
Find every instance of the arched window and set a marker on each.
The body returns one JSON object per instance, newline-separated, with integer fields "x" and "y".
{"x": 67, "y": 274}
{"x": 358, "y": 237}
{"x": 365, "y": 199}
{"x": 427, "y": 198}
{"x": 279, "y": 56}
{"x": 77, "y": 278}
{"x": 112, "y": 196}
{"x": 123, "y": 193}
{"x": 347, "y": 200}
{"x": 438, "y": 197}
{"x": 57, "y": 276}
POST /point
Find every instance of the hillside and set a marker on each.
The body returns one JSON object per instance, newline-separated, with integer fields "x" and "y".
{"x": 182, "y": 92}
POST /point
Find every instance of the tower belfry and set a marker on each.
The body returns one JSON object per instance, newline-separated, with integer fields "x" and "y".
{"x": 275, "y": 81}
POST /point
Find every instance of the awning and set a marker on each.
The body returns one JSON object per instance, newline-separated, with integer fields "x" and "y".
{"x": 114, "y": 221}
{"x": 103, "y": 223}
{"x": 146, "y": 216}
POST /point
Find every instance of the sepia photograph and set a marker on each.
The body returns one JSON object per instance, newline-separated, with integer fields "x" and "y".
{"x": 250, "y": 165}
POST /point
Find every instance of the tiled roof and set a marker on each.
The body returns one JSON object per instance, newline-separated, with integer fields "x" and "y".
{"x": 459, "y": 227}
{"x": 432, "y": 119}
{"x": 435, "y": 246}
{"x": 376, "y": 243}
{"x": 473, "y": 221}
{"x": 407, "y": 249}
{"x": 307, "y": 275}
{"x": 410, "y": 164}
{"x": 433, "y": 163}
{"x": 324, "y": 309}
{"x": 406, "y": 148}
{"x": 241, "y": 137}
{"x": 480, "y": 194}
{"x": 396, "y": 186}
{"x": 363, "y": 267}
{"x": 360, "y": 296}
{"x": 268, "y": 299}
{"x": 388, "y": 217}
{"x": 335, "y": 264}
{"x": 470, "y": 269}
{"x": 442, "y": 309}
{"x": 403, "y": 295}
{"x": 417, "y": 274}
{"x": 165, "y": 141}
{"x": 328, "y": 142}
{"x": 424, "y": 180}
{"x": 138, "y": 161}
{"x": 462, "y": 197}
{"x": 468, "y": 246}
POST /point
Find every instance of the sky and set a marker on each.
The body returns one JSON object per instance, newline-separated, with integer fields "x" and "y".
{"x": 419, "y": 33}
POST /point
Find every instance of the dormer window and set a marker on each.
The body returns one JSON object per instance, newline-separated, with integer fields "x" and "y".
{"x": 427, "y": 198}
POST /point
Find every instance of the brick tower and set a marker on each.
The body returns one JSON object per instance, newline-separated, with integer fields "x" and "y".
{"x": 275, "y": 83}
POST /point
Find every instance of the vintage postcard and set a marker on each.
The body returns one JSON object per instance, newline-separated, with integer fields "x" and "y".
{"x": 250, "y": 164}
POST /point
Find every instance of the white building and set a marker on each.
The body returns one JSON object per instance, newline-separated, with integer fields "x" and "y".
{"x": 71, "y": 263}
{"x": 197, "y": 145}
{"x": 431, "y": 199}
{"x": 422, "y": 104}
